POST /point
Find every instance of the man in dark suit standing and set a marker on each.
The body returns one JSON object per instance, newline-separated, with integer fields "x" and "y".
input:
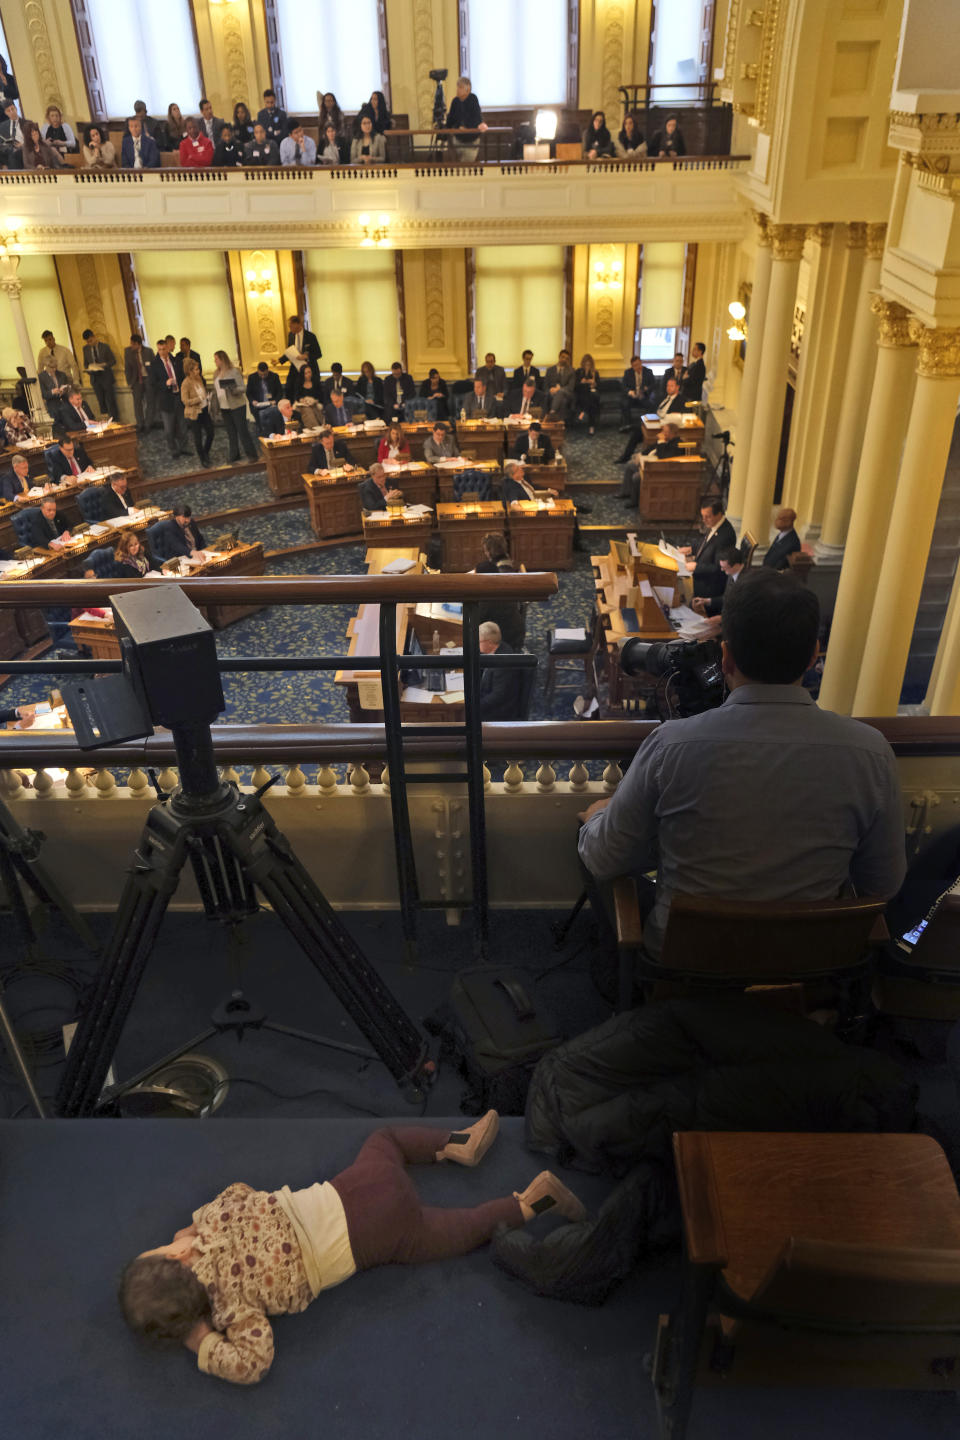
{"x": 525, "y": 399}
{"x": 272, "y": 118}
{"x": 500, "y": 692}
{"x": 374, "y": 492}
{"x": 75, "y": 413}
{"x": 16, "y": 480}
{"x": 276, "y": 419}
{"x": 559, "y": 384}
{"x": 493, "y": 376}
{"x": 184, "y": 353}
{"x": 526, "y": 370}
{"x": 638, "y": 387}
{"x": 676, "y": 372}
{"x": 307, "y": 343}
{"x": 55, "y": 386}
{"x": 98, "y": 361}
{"x": 666, "y": 448}
{"x": 696, "y": 374}
{"x": 163, "y": 376}
{"x": 263, "y": 390}
{"x": 709, "y": 580}
{"x": 138, "y": 151}
{"x": 786, "y": 542}
{"x": 117, "y": 501}
{"x": 398, "y": 388}
{"x": 136, "y": 359}
{"x": 330, "y": 453}
{"x": 67, "y": 460}
{"x": 534, "y": 439}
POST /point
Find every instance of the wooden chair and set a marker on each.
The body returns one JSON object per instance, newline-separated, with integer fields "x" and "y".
{"x": 748, "y": 543}
{"x": 568, "y": 656}
{"x": 924, "y": 984}
{"x": 796, "y": 1271}
{"x": 717, "y": 943}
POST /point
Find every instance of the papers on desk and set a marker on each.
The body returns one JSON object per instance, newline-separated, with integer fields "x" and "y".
{"x": 98, "y": 619}
{"x": 578, "y": 632}
{"x": 664, "y": 594}
{"x": 373, "y": 425}
{"x": 415, "y": 694}
{"x": 400, "y": 566}
{"x": 418, "y": 510}
{"x": 370, "y": 694}
{"x": 689, "y": 625}
{"x": 448, "y": 610}
{"x": 666, "y": 548}
{"x": 451, "y": 462}
{"x": 6, "y": 565}
{"x": 101, "y": 528}
{"x": 34, "y": 492}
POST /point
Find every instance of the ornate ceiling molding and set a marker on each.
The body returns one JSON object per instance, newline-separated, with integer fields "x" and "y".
{"x": 925, "y": 134}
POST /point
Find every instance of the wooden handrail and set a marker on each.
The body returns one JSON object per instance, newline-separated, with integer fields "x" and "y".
{"x": 295, "y": 589}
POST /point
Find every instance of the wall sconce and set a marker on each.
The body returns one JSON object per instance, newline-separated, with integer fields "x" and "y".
{"x": 738, "y": 330}
{"x": 374, "y": 234}
{"x": 545, "y": 125}
{"x": 607, "y": 276}
{"x": 259, "y": 285}
{"x": 10, "y": 240}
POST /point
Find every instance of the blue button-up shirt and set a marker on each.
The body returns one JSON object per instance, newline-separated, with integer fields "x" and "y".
{"x": 767, "y": 797}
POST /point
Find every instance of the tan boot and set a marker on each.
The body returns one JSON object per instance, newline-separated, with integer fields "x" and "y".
{"x": 545, "y": 1193}
{"x": 468, "y": 1146}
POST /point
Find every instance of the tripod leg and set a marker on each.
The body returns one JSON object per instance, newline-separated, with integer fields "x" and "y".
{"x": 145, "y": 898}
{"x": 24, "y": 845}
{"x": 18, "y": 906}
{"x": 12, "y": 1046}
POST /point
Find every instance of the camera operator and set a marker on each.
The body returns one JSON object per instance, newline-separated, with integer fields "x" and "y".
{"x": 709, "y": 580}
{"x": 767, "y": 797}
{"x": 731, "y": 563}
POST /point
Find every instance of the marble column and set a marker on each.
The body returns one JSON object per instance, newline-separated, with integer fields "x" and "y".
{"x": 876, "y": 486}
{"x": 787, "y": 245}
{"x": 12, "y": 286}
{"x": 900, "y": 572}
{"x": 751, "y": 370}
{"x": 824, "y": 251}
{"x": 861, "y": 360}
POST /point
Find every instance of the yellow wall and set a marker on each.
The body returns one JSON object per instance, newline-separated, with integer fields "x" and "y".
{"x": 604, "y": 315}
{"x": 45, "y": 57}
{"x": 422, "y": 36}
{"x": 519, "y": 302}
{"x": 187, "y": 295}
{"x": 434, "y": 295}
{"x": 353, "y": 306}
{"x": 42, "y": 308}
{"x": 614, "y": 50}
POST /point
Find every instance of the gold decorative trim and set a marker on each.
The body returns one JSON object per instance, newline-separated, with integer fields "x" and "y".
{"x": 612, "y": 64}
{"x": 36, "y": 24}
{"x": 762, "y": 223}
{"x": 423, "y": 59}
{"x": 730, "y": 50}
{"x": 769, "y": 56}
{"x": 90, "y": 289}
{"x": 433, "y": 306}
{"x": 856, "y": 235}
{"x": 938, "y": 356}
{"x": 931, "y": 124}
{"x": 876, "y": 241}
{"x": 930, "y": 134}
{"x": 235, "y": 62}
{"x": 893, "y": 331}
{"x": 820, "y": 234}
{"x": 788, "y": 241}
{"x": 11, "y": 286}
{"x": 603, "y": 323}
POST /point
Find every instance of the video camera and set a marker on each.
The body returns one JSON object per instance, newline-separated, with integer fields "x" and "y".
{"x": 691, "y": 667}
{"x": 439, "y": 103}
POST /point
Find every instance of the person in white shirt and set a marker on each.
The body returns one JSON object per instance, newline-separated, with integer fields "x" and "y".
{"x": 297, "y": 148}
{"x": 64, "y": 359}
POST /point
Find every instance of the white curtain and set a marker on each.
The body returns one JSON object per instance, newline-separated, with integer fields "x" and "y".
{"x": 326, "y": 46}
{"x": 146, "y": 52}
{"x": 676, "y": 49}
{"x": 517, "y": 52}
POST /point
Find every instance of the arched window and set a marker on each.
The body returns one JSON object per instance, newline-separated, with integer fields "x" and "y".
{"x": 519, "y": 54}
{"x": 138, "y": 51}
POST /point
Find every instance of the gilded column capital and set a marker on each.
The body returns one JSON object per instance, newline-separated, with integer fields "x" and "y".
{"x": 893, "y": 329}
{"x": 856, "y": 235}
{"x": 11, "y": 286}
{"x": 820, "y": 234}
{"x": 787, "y": 241}
{"x": 762, "y": 223}
{"x": 939, "y": 353}
{"x": 876, "y": 239}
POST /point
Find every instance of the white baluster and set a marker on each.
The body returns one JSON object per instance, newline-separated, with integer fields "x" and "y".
{"x": 42, "y": 783}
{"x": 327, "y": 781}
{"x": 296, "y": 780}
{"x": 260, "y": 775}
{"x": 513, "y": 779}
{"x": 359, "y": 779}
{"x": 579, "y": 779}
{"x": 76, "y": 783}
{"x": 612, "y": 776}
{"x": 168, "y": 778}
{"x": 137, "y": 782}
{"x": 11, "y": 784}
{"x": 487, "y": 782}
{"x": 546, "y": 777}
{"x": 385, "y": 780}
{"x": 105, "y": 784}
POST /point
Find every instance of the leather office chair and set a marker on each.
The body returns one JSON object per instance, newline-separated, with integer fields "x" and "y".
{"x": 459, "y": 391}
{"x": 475, "y": 484}
{"x": 25, "y": 524}
{"x": 48, "y": 455}
{"x": 104, "y": 566}
{"x": 811, "y": 1259}
{"x": 92, "y": 503}
{"x": 424, "y": 406}
{"x": 568, "y": 656}
{"x": 748, "y": 544}
{"x": 526, "y": 687}
{"x": 158, "y": 546}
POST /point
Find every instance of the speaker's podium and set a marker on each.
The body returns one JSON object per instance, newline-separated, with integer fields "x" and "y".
{"x": 644, "y": 580}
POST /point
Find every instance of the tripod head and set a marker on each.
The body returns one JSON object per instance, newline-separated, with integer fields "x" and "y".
{"x": 169, "y": 678}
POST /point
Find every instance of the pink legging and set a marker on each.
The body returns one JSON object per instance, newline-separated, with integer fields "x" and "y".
{"x": 385, "y": 1220}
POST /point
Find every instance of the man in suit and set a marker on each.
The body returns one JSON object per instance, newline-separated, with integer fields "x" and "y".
{"x": 179, "y": 535}
{"x": 330, "y": 453}
{"x": 493, "y": 376}
{"x": 526, "y": 370}
{"x": 272, "y": 118}
{"x": 335, "y": 411}
{"x": 517, "y": 485}
{"x": 637, "y": 391}
{"x": 298, "y": 148}
{"x": 534, "y": 439}
{"x": 696, "y": 374}
{"x": 185, "y": 352}
{"x": 212, "y": 125}
{"x": 261, "y": 150}
{"x": 117, "y": 501}
{"x": 16, "y": 480}
{"x": 501, "y": 691}
{"x": 559, "y": 384}
{"x": 49, "y": 524}
{"x": 156, "y": 129}
{"x": 306, "y": 342}
{"x": 785, "y": 543}
{"x": 673, "y": 402}
{"x": 263, "y": 390}
{"x": 277, "y": 419}
{"x": 526, "y": 398}
{"x": 666, "y": 448}
{"x": 709, "y": 580}
{"x": 139, "y": 150}
{"x": 67, "y": 460}
{"x": 676, "y": 372}
{"x": 64, "y": 358}
{"x": 136, "y": 359}
{"x": 398, "y": 387}
{"x": 374, "y": 492}
{"x": 338, "y": 383}
{"x": 464, "y": 114}
{"x": 75, "y": 413}
{"x": 55, "y": 386}
{"x": 440, "y": 444}
{"x": 163, "y": 376}
{"x": 11, "y": 137}
{"x": 480, "y": 405}
{"x": 731, "y": 563}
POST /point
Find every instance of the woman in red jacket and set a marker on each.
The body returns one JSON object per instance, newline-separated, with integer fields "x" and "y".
{"x": 394, "y": 446}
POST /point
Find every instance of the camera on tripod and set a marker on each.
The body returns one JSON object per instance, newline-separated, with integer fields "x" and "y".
{"x": 439, "y": 103}
{"x": 691, "y": 667}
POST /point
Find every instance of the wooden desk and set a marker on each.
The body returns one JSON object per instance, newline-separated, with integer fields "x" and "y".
{"x": 548, "y": 477}
{"x": 34, "y": 451}
{"x": 287, "y": 459}
{"x": 611, "y": 585}
{"x": 416, "y": 433}
{"x": 362, "y": 443}
{"x": 65, "y": 495}
{"x": 28, "y": 630}
{"x": 462, "y": 527}
{"x": 555, "y": 430}
{"x": 483, "y": 438}
{"x": 690, "y": 427}
{"x": 115, "y": 446}
{"x": 334, "y": 503}
{"x": 362, "y": 688}
{"x": 417, "y": 480}
{"x": 398, "y": 530}
{"x": 97, "y": 636}
{"x": 447, "y": 472}
{"x": 376, "y": 558}
{"x": 670, "y": 490}
{"x": 76, "y": 554}
{"x": 541, "y": 534}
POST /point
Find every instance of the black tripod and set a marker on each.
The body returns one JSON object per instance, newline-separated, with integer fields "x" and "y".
{"x": 235, "y": 849}
{"x": 720, "y": 479}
